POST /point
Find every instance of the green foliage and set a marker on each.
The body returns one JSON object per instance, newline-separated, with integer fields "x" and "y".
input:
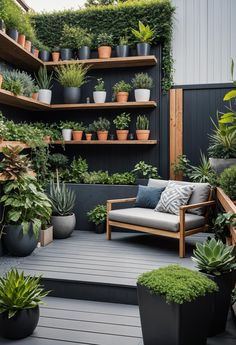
{"x": 44, "y": 80}
{"x": 122, "y": 178}
{"x": 144, "y": 170}
{"x": 227, "y": 181}
{"x": 13, "y": 165}
{"x": 203, "y": 173}
{"x": 142, "y": 81}
{"x": 75, "y": 37}
{"x": 214, "y": 257}
{"x": 144, "y": 34}
{"x": 78, "y": 126}
{"x": 40, "y": 165}
{"x": 98, "y": 214}
{"x": 21, "y": 81}
{"x": 122, "y": 121}
{"x": 181, "y": 165}
{"x": 104, "y": 39}
{"x": 3, "y": 127}
{"x": 102, "y": 124}
{"x": 13, "y": 86}
{"x": 58, "y": 161}
{"x": 100, "y": 86}
{"x": 72, "y": 75}
{"x": 156, "y": 13}
{"x": 121, "y": 86}
{"x": 177, "y": 284}
{"x": 90, "y": 3}
{"x": 142, "y": 123}
{"x": 96, "y": 177}
{"x": 78, "y": 169}
{"x": 222, "y": 223}
{"x": 124, "y": 41}
{"x": 223, "y": 142}
{"x": 18, "y": 292}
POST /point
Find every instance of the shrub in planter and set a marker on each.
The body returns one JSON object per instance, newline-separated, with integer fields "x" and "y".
{"x": 174, "y": 306}
{"x": 44, "y": 53}
{"x": 122, "y": 123}
{"x": 145, "y": 35}
{"x": 101, "y": 126}
{"x": 16, "y": 78}
{"x": 98, "y": 216}
{"x": 99, "y": 93}
{"x": 66, "y": 127}
{"x": 104, "y": 43}
{"x": 227, "y": 182}
{"x": 72, "y": 77}
{"x": 68, "y": 42}
{"x": 122, "y": 50}
{"x": 142, "y": 84}
{"x": 218, "y": 261}
{"x": 89, "y": 132}
{"x": 121, "y": 91}
{"x": 20, "y": 298}
{"x": 44, "y": 82}
{"x": 84, "y": 41}
{"x": 77, "y": 130}
{"x": 142, "y": 127}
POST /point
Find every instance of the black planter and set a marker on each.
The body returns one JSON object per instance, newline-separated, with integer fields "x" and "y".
{"x": 66, "y": 54}
{"x": 173, "y": 324}
{"x": 44, "y": 55}
{"x": 84, "y": 53}
{"x": 100, "y": 228}
{"x": 17, "y": 243}
{"x": 221, "y": 302}
{"x": 2, "y": 25}
{"x": 19, "y": 326}
{"x": 122, "y": 51}
{"x": 13, "y": 33}
{"x": 141, "y": 181}
{"x": 72, "y": 95}
{"x": 143, "y": 49}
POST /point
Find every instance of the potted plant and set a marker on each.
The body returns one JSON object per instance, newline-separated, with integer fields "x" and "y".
{"x": 77, "y": 131}
{"x": 20, "y": 297}
{"x": 104, "y": 42}
{"x": 72, "y": 77}
{"x": 98, "y": 216}
{"x": 35, "y": 92}
{"x": 227, "y": 182}
{"x": 28, "y": 45}
{"x": 144, "y": 171}
{"x": 89, "y": 132}
{"x": 68, "y": 42}
{"x": 63, "y": 201}
{"x": 44, "y": 53}
{"x": 44, "y": 82}
{"x": 142, "y": 127}
{"x": 218, "y": 262}
{"x": 174, "y": 305}
{"x": 122, "y": 50}
{"x": 21, "y": 39}
{"x": 101, "y": 126}
{"x": 66, "y": 127}
{"x": 99, "y": 93}
{"x": 83, "y": 43}
{"x": 142, "y": 84}
{"x": 58, "y": 162}
{"x": 55, "y": 54}
{"x": 121, "y": 91}
{"x": 145, "y": 35}
{"x": 122, "y": 123}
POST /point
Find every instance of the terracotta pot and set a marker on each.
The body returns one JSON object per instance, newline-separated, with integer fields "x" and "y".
{"x": 77, "y": 135}
{"x": 36, "y": 52}
{"x": 21, "y": 40}
{"x": 28, "y": 45}
{"x": 1, "y": 80}
{"x": 55, "y": 56}
{"x": 104, "y": 52}
{"x": 47, "y": 139}
{"x": 122, "y": 97}
{"x": 35, "y": 96}
{"x": 88, "y": 136}
{"x": 142, "y": 134}
{"x": 102, "y": 135}
{"x": 122, "y": 134}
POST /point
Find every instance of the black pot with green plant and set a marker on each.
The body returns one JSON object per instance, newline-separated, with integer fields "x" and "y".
{"x": 122, "y": 49}
{"x": 218, "y": 261}
{"x": 68, "y": 41}
{"x": 227, "y": 182}
{"x": 144, "y": 35}
{"x": 20, "y": 297}
{"x": 174, "y": 305}
{"x": 98, "y": 216}
{"x": 45, "y": 53}
{"x": 84, "y": 42}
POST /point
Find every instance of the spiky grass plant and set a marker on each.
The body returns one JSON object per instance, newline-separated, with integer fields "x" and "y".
{"x": 72, "y": 75}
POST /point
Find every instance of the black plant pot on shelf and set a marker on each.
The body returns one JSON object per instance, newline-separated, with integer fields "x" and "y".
{"x": 66, "y": 54}
{"x": 21, "y": 325}
{"x": 122, "y": 51}
{"x": 44, "y": 55}
{"x": 143, "y": 49}
{"x": 13, "y": 33}
{"x": 72, "y": 95}
{"x": 84, "y": 53}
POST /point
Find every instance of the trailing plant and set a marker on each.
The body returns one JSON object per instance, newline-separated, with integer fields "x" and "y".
{"x": 144, "y": 34}
{"x": 214, "y": 257}
{"x": 102, "y": 124}
{"x": 72, "y": 75}
{"x": 122, "y": 121}
{"x": 14, "y": 165}
{"x": 121, "y": 86}
{"x": 97, "y": 215}
{"x": 142, "y": 123}
{"x": 221, "y": 225}
{"x": 227, "y": 181}
{"x": 222, "y": 142}
{"x": 43, "y": 79}
{"x": 203, "y": 173}
{"x": 144, "y": 170}
{"x": 142, "y": 81}
{"x": 104, "y": 39}
{"x": 100, "y": 86}
{"x": 19, "y": 292}
{"x": 177, "y": 284}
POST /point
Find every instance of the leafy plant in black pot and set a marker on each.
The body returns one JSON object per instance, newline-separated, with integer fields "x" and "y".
{"x": 68, "y": 42}
{"x": 122, "y": 50}
{"x": 145, "y": 35}
{"x": 45, "y": 53}
{"x": 218, "y": 262}
{"x": 98, "y": 216}
{"x": 84, "y": 41}
{"x": 20, "y": 297}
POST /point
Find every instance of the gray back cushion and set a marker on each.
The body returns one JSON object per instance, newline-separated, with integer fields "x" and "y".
{"x": 200, "y": 192}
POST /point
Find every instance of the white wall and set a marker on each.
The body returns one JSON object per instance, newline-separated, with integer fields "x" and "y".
{"x": 204, "y": 41}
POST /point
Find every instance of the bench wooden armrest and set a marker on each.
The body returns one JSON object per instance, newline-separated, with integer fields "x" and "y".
{"x": 200, "y": 204}
{"x": 114, "y": 201}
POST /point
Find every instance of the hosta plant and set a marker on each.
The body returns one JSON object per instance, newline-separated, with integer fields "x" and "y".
{"x": 214, "y": 257}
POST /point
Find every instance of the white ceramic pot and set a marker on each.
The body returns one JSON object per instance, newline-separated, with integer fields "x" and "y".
{"x": 67, "y": 134}
{"x": 45, "y": 96}
{"x": 142, "y": 95}
{"x": 99, "y": 96}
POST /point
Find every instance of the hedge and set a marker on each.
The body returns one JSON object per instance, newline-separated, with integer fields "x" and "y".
{"x": 118, "y": 20}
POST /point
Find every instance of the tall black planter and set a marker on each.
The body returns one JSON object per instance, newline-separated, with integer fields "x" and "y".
{"x": 84, "y": 53}
{"x": 173, "y": 324}
{"x": 66, "y": 54}
{"x": 13, "y": 33}
{"x": 143, "y": 49}
{"x": 72, "y": 95}
{"x": 19, "y": 326}
{"x": 16, "y": 242}
{"x": 122, "y": 51}
{"x": 44, "y": 55}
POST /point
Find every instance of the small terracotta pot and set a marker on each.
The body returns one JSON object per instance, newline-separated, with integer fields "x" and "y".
{"x": 28, "y": 45}
{"x": 47, "y": 139}
{"x": 122, "y": 134}
{"x": 104, "y": 52}
{"x": 1, "y": 80}
{"x": 142, "y": 134}
{"x": 88, "y": 136}
{"x": 35, "y": 96}
{"x": 55, "y": 56}
{"x": 36, "y": 52}
{"x": 102, "y": 135}
{"x": 77, "y": 135}
{"x": 21, "y": 40}
{"x": 122, "y": 97}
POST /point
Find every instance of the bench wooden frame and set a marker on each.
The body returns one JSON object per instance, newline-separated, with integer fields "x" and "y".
{"x": 180, "y": 235}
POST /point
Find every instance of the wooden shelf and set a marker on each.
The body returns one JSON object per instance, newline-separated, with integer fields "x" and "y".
{"x": 107, "y": 105}
{"x": 15, "y": 54}
{"x": 116, "y": 62}
{"x": 106, "y": 142}
{"x": 22, "y": 102}
{"x": 13, "y": 144}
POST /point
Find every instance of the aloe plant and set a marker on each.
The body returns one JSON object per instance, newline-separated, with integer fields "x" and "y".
{"x": 214, "y": 257}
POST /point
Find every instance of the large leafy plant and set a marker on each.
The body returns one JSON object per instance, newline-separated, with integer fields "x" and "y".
{"x": 72, "y": 75}
{"x": 144, "y": 34}
{"x": 98, "y": 214}
{"x": 14, "y": 165}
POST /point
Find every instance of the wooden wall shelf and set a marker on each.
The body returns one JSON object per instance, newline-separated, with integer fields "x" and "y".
{"x": 13, "y": 144}
{"x": 107, "y": 142}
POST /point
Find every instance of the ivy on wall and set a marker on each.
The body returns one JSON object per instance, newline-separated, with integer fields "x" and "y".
{"x": 118, "y": 20}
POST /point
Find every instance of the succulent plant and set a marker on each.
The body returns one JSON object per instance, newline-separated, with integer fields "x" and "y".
{"x": 142, "y": 122}
{"x": 214, "y": 257}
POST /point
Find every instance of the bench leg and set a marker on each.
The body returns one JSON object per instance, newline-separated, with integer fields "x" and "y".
{"x": 182, "y": 246}
{"x": 108, "y": 231}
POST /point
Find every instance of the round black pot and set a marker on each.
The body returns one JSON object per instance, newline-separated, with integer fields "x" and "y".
{"x": 122, "y": 51}
{"x": 44, "y": 55}
{"x": 100, "y": 228}
{"x": 13, "y": 33}
{"x": 72, "y": 95}
{"x": 84, "y": 53}
{"x": 66, "y": 54}
{"x": 21, "y": 325}
{"x": 143, "y": 49}
{"x": 18, "y": 244}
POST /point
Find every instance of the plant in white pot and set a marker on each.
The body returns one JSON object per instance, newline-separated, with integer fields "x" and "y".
{"x": 142, "y": 128}
{"x": 44, "y": 82}
{"x": 66, "y": 128}
{"x": 122, "y": 124}
{"x": 99, "y": 93}
{"x": 142, "y": 84}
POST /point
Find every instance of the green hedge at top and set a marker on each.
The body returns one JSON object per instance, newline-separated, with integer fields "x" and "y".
{"x": 118, "y": 20}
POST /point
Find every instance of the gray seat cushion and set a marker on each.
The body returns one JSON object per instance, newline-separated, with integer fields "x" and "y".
{"x": 150, "y": 218}
{"x": 200, "y": 193}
